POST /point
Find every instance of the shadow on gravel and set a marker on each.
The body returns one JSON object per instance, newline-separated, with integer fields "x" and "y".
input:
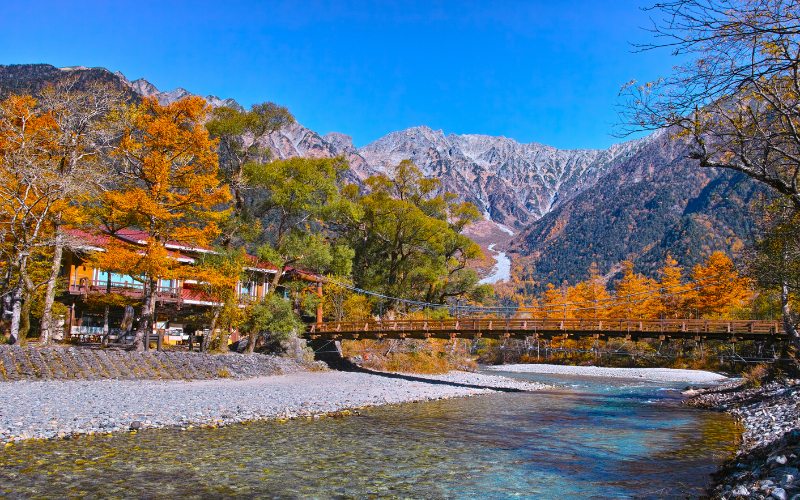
{"x": 346, "y": 365}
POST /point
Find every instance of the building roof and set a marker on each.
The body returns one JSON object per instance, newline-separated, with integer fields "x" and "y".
{"x": 98, "y": 241}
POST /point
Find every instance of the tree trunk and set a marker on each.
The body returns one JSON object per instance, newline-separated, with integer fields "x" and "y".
{"x": 16, "y": 313}
{"x": 207, "y": 338}
{"x": 104, "y": 341}
{"x": 25, "y": 319}
{"x": 46, "y": 331}
{"x": 251, "y": 342}
{"x": 223, "y": 341}
{"x": 142, "y": 339}
{"x": 789, "y": 320}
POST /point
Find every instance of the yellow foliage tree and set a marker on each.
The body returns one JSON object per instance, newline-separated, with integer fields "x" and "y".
{"x": 589, "y": 298}
{"x": 636, "y": 296}
{"x": 674, "y": 292}
{"x": 168, "y": 188}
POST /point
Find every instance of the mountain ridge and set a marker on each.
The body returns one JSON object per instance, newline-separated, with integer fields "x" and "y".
{"x": 569, "y": 207}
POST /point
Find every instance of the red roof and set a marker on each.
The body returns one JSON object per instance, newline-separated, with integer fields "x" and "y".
{"x": 138, "y": 237}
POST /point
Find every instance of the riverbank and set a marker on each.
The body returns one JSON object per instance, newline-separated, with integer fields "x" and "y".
{"x": 767, "y": 464}
{"x": 58, "y": 409}
{"x": 650, "y": 374}
{"x": 85, "y": 363}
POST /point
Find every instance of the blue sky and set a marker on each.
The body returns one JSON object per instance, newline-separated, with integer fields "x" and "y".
{"x": 536, "y": 71}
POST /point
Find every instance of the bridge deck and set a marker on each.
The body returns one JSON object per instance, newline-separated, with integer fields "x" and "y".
{"x": 549, "y": 328}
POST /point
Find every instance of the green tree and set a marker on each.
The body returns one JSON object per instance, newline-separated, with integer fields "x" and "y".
{"x": 272, "y": 318}
{"x": 241, "y": 136}
{"x": 408, "y": 242}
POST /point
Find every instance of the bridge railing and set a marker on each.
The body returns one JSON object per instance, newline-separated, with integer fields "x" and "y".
{"x": 487, "y": 325}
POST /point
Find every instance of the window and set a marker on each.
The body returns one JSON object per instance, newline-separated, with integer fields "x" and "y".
{"x": 118, "y": 280}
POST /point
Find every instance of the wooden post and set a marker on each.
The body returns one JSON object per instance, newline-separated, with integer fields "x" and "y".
{"x": 319, "y": 305}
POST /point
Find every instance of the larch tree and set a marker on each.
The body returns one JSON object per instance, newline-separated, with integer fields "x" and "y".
{"x": 719, "y": 287}
{"x": 590, "y": 297}
{"x": 168, "y": 188}
{"x": 673, "y": 291}
{"x": 636, "y": 297}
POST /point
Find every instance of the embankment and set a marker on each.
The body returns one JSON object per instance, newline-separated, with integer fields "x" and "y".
{"x": 81, "y": 363}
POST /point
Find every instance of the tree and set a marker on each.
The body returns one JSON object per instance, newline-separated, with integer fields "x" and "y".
{"x": 590, "y": 298}
{"x": 408, "y": 243}
{"x": 220, "y": 273}
{"x": 775, "y": 262}
{"x": 554, "y": 303}
{"x": 673, "y": 292}
{"x": 636, "y": 296}
{"x": 168, "y": 187}
{"x": 720, "y": 288}
{"x": 736, "y": 99}
{"x": 240, "y": 134}
{"x": 272, "y": 316}
{"x": 29, "y": 194}
{"x": 301, "y": 203}
{"x": 84, "y": 137}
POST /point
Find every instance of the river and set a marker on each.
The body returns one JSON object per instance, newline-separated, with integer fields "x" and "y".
{"x": 588, "y": 438}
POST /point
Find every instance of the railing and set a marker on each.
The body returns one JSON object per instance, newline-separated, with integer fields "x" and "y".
{"x": 121, "y": 287}
{"x": 550, "y": 326}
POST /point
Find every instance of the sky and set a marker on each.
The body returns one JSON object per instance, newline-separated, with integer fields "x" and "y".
{"x": 535, "y": 71}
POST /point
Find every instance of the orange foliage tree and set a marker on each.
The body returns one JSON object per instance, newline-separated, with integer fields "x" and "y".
{"x": 673, "y": 291}
{"x": 28, "y": 195}
{"x": 720, "y": 288}
{"x": 590, "y": 298}
{"x": 168, "y": 188}
{"x": 636, "y": 296}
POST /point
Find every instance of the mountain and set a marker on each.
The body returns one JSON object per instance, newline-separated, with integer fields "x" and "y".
{"x": 514, "y": 184}
{"x": 569, "y": 208}
{"x": 650, "y": 203}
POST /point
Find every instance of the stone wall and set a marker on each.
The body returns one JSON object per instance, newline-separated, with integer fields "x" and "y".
{"x": 82, "y": 363}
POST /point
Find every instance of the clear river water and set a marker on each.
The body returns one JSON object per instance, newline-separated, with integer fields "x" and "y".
{"x": 590, "y": 438}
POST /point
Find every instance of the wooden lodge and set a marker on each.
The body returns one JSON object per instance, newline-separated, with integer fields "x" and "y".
{"x": 181, "y": 304}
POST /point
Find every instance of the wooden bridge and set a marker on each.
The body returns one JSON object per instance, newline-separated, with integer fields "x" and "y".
{"x": 634, "y": 329}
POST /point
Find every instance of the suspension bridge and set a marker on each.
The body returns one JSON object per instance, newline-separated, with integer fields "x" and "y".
{"x": 499, "y": 328}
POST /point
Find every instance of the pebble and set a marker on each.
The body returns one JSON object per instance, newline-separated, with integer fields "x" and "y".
{"x": 62, "y": 408}
{"x": 766, "y": 464}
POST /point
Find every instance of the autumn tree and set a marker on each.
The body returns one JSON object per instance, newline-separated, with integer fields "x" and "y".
{"x": 168, "y": 188}
{"x": 590, "y": 298}
{"x": 735, "y": 99}
{"x": 672, "y": 289}
{"x": 636, "y": 297}
{"x": 29, "y": 194}
{"x": 775, "y": 262}
{"x": 554, "y": 303}
{"x": 719, "y": 287}
{"x": 83, "y": 139}
{"x": 219, "y": 273}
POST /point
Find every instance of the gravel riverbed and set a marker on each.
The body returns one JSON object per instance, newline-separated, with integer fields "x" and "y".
{"x": 651, "y": 374}
{"x": 767, "y": 464}
{"x": 61, "y": 408}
